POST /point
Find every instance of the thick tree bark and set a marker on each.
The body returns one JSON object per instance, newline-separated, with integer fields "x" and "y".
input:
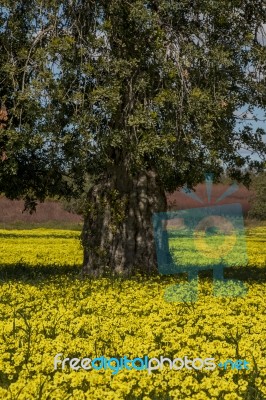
{"x": 118, "y": 231}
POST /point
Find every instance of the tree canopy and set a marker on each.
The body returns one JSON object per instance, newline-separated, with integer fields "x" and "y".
{"x": 87, "y": 83}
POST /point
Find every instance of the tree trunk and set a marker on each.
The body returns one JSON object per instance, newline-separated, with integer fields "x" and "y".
{"x": 118, "y": 231}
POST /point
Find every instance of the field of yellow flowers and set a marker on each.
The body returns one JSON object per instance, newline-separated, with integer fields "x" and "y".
{"x": 46, "y": 309}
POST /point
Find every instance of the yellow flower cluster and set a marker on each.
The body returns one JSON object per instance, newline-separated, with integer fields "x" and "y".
{"x": 122, "y": 317}
{"x": 40, "y": 246}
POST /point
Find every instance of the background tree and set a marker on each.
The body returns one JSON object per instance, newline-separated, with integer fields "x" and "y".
{"x": 258, "y": 201}
{"x": 122, "y": 101}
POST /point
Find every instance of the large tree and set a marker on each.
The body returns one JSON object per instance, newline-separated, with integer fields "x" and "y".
{"x": 122, "y": 101}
